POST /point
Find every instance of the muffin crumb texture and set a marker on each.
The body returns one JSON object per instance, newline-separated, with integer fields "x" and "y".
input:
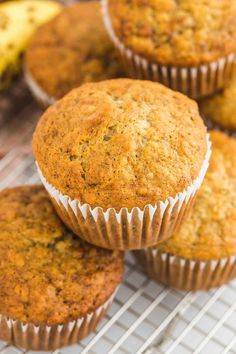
{"x": 72, "y": 49}
{"x": 48, "y": 275}
{"x": 180, "y": 33}
{"x": 121, "y": 143}
{"x": 221, "y": 107}
{"x": 210, "y": 230}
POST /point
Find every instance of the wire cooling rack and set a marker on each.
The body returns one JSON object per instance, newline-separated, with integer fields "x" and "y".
{"x": 145, "y": 316}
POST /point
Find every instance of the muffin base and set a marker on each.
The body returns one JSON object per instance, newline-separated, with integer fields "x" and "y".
{"x": 38, "y": 93}
{"x": 185, "y": 274}
{"x": 43, "y": 337}
{"x": 193, "y": 81}
{"x": 126, "y": 230}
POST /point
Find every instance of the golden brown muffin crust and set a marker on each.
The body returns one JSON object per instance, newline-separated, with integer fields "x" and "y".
{"x": 121, "y": 143}
{"x": 182, "y": 33}
{"x": 72, "y": 49}
{"x": 48, "y": 275}
{"x": 221, "y": 108}
{"x": 210, "y": 230}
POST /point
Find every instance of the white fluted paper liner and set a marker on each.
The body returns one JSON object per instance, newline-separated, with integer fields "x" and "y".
{"x": 195, "y": 81}
{"x": 185, "y": 274}
{"x": 43, "y": 337}
{"x": 39, "y": 94}
{"x": 135, "y": 229}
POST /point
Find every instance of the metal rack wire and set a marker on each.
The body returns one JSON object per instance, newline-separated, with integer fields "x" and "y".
{"x": 145, "y": 316}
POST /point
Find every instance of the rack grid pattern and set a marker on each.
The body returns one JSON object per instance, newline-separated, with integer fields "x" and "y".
{"x": 145, "y": 316}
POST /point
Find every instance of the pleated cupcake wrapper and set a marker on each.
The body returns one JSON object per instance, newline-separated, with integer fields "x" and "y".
{"x": 184, "y": 274}
{"x": 43, "y": 337}
{"x": 135, "y": 229}
{"x": 39, "y": 94}
{"x": 195, "y": 81}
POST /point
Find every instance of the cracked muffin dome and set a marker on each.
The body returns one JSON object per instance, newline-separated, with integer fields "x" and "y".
{"x": 121, "y": 143}
{"x": 221, "y": 107}
{"x": 210, "y": 231}
{"x": 180, "y": 33}
{"x": 48, "y": 275}
{"x": 72, "y": 49}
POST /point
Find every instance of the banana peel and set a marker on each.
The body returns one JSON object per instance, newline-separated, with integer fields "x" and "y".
{"x": 18, "y": 21}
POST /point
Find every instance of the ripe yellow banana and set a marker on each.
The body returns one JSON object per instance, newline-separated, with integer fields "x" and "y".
{"x": 18, "y": 21}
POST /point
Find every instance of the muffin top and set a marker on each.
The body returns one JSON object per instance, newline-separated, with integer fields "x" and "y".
{"x": 48, "y": 275}
{"x": 221, "y": 108}
{"x": 210, "y": 230}
{"x": 170, "y": 32}
{"x": 121, "y": 143}
{"x": 72, "y": 49}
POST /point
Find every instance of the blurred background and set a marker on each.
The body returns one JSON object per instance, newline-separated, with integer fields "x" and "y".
{"x": 18, "y": 110}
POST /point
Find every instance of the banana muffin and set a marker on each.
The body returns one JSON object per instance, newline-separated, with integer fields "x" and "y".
{"x": 202, "y": 253}
{"x": 71, "y": 49}
{"x": 185, "y": 44}
{"x": 18, "y": 22}
{"x": 221, "y": 108}
{"x": 122, "y": 145}
{"x": 54, "y": 286}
